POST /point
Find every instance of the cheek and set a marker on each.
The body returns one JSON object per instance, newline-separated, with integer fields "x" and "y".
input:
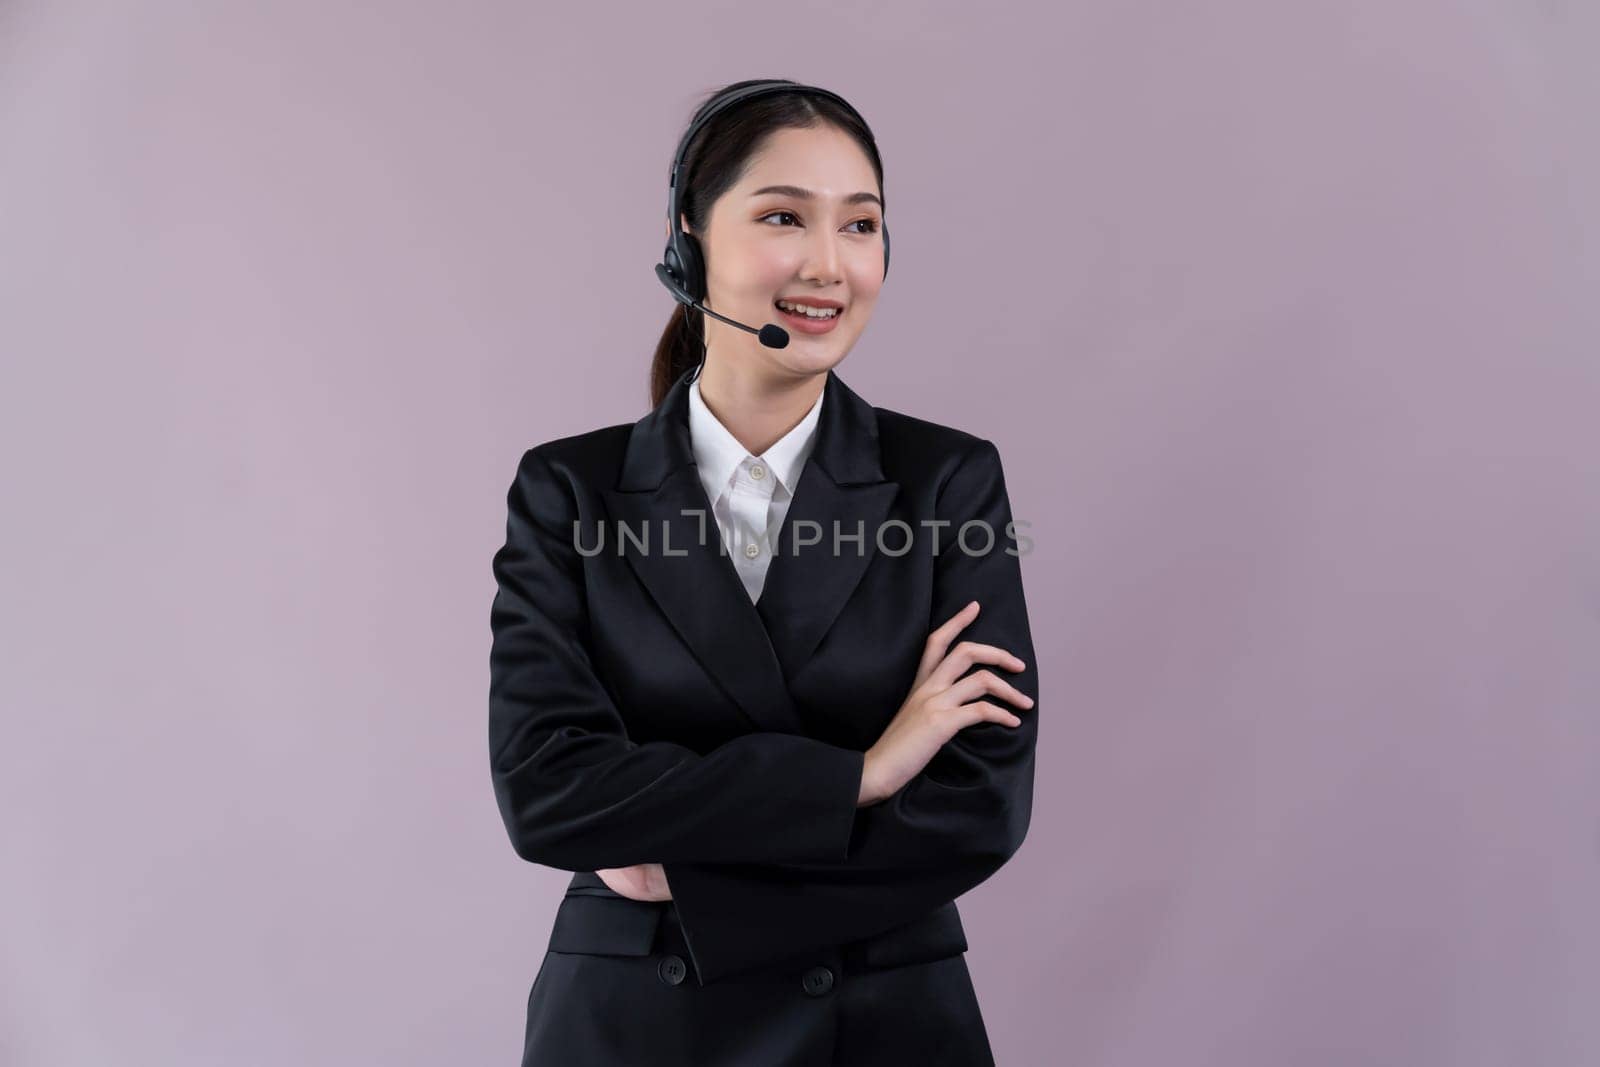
{"x": 760, "y": 275}
{"x": 866, "y": 277}
{"x": 745, "y": 266}
{"x": 864, "y": 296}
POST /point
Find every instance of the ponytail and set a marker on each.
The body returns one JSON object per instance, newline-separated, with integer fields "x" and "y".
{"x": 679, "y": 350}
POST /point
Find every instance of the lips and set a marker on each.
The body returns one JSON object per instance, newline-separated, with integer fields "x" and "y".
{"x": 835, "y": 308}
{"x": 805, "y": 323}
{"x": 813, "y": 302}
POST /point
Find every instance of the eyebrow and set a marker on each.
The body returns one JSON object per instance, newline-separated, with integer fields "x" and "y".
{"x": 806, "y": 194}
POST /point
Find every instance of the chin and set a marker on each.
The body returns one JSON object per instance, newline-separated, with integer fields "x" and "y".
{"x": 809, "y": 359}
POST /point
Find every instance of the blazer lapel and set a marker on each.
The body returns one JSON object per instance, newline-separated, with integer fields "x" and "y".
{"x": 842, "y": 492}
{"x": 750, "y": 648}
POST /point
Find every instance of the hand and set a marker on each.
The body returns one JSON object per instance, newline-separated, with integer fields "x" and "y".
{"x": 642, "y": 881}
{"x": 938, "y": 706}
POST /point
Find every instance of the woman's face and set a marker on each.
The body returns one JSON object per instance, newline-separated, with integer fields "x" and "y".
{"x": 819, "y": 238}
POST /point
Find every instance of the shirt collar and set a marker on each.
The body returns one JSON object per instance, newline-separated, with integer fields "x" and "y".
{"x": 718, "y": 453}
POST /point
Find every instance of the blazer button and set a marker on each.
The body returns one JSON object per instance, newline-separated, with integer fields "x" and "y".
{"x": 672, "y": 970}
{"x": 817, "y": 981}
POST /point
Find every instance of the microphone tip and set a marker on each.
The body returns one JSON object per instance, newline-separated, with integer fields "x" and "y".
{"x": 774, "y": 336}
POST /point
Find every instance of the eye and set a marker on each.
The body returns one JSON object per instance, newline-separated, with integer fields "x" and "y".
{"x": 871, "y": 224}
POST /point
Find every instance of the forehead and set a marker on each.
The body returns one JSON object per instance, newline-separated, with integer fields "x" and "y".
{"x": 824, "y": 159}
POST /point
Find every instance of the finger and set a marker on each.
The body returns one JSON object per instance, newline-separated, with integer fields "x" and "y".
{"x": 967, "y": 653}
{"x": 983, "y": 711}
{"x": 941, "y": 637}
{"x": 938, "y": 643}
{"x": 982, "y": 682}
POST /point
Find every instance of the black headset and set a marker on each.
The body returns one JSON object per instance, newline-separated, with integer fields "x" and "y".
{"x": 683, "y": 267}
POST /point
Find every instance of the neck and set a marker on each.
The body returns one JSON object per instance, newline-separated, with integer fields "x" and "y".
{"x": 758, "y": 409}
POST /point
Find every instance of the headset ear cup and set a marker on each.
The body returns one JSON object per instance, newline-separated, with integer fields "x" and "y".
{"x": 692, "y": 260}
{"x": 886, "y": 250}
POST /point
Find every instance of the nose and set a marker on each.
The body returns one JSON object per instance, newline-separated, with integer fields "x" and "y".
{"x": 822, "y": 258}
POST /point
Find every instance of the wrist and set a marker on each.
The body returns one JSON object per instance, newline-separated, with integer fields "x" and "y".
{"x": 868, "y": 794}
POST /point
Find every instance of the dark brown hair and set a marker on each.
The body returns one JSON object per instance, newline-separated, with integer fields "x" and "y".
{"x": 713, "y": 163}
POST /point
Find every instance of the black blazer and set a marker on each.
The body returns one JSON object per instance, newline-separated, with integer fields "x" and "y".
{"x": 642, "y": 709}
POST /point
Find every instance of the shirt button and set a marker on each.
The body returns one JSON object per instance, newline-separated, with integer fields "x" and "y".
{"x": 758, "y": 472}
{"x": 752, "y": 550}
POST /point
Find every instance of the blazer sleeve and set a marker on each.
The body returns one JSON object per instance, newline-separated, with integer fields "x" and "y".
{"x": 945, "y": 831}
{"x": 574, "y": 791}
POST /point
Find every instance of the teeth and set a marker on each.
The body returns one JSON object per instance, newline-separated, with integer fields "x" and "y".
{"x": 815, "y": 313}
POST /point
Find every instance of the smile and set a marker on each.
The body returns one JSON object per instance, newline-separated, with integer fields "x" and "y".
{"x": 820, "y": 322}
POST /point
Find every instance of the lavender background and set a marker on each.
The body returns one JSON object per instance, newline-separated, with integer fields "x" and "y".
{"x": 1283, "y": 319}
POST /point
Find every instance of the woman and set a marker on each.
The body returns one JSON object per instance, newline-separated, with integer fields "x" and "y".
{"x": 746, "y": 669}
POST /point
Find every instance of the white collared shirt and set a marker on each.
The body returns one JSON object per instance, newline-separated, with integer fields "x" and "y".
{"x": 749, "y": 495}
